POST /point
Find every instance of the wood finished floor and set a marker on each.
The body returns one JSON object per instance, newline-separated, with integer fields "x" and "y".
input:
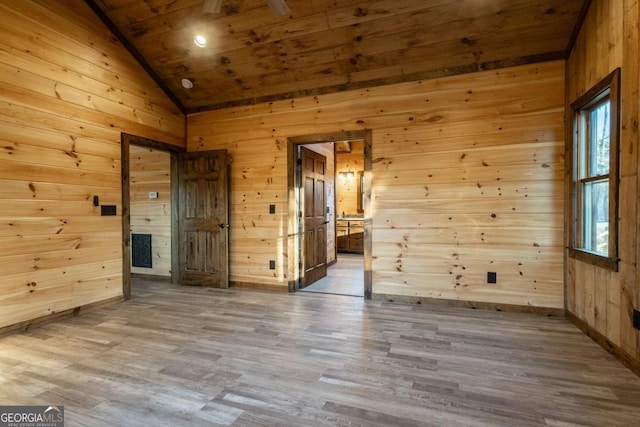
{"x": 345, "y": 277}
{"x": 202, "y": 357}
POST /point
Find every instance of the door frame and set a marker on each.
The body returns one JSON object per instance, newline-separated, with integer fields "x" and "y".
{"x": 292, "y": 254}
{"x": 126, "y": 140}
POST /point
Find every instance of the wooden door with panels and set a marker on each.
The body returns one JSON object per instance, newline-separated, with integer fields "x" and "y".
{"x": 314, "y": 216}
{"x": 203, "y": 219}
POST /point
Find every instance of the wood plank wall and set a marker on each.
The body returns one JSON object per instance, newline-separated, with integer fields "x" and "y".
{"x": 347, "y": 188}
{"x": 599, "y": 297}
{"x": 150, "y": 170}
{"x": 67, "y": 90}
{"x": 467, "y": 178}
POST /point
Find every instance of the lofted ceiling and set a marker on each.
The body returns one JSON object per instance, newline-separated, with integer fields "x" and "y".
{"x": 324, "y": 46}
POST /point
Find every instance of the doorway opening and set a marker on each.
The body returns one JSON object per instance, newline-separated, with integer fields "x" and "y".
{"x": 149, "y": 210}
{"x": 344, "y": 277}
{"x": 314, "y": 201}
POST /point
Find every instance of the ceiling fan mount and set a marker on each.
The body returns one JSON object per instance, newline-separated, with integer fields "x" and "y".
{"x": 279, "y": 7}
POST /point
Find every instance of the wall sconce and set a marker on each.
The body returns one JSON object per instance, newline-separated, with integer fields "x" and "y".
{"x": 346, "y": 175}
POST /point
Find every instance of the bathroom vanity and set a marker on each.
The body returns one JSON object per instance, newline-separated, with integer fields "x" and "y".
{"x": 350, "y": 235}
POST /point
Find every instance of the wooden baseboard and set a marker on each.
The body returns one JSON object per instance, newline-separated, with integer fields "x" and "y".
{"x": 258, "y": 286}
{"x": 475, "y": 305}
{"x": 329, "y": 264}
{"x": 151, "y": 277}
{"x": 624, "y": 357}
{"x": 40, "y": 321}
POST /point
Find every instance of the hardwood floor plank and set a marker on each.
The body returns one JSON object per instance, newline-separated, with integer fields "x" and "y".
{"x": 202, "y": 357}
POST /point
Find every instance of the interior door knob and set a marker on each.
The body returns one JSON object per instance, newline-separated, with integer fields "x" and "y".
{"x": 223, "y": 225}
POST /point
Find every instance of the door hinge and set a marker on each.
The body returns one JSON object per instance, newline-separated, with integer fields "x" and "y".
{"x": 299, "y": 162}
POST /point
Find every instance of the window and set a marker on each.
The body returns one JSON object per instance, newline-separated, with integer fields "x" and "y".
{"x": 595, "y": 174}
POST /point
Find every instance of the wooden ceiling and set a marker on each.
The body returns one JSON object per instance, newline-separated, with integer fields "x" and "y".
{"x": 325, "y": 46}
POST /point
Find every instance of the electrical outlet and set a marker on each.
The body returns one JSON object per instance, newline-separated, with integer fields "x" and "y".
{"x": 153, "y": 194}
{"x": 492, "y": 277}
{"x": 272, "y": 209}
{"x": 272, "y": 264}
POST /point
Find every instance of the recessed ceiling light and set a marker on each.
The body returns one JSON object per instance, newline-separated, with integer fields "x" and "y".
{"x": 187, "y": 84}
{"x": 200, "y": 40}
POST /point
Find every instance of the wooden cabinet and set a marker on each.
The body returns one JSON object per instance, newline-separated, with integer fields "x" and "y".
{"x": 350, "y": 235}
{"x": 356, "y": 240}
{"x": 342, "y": 235}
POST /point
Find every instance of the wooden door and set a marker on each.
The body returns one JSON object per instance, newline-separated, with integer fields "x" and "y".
{"x": 314, "y": 210}
{"x": 203, "y": 219}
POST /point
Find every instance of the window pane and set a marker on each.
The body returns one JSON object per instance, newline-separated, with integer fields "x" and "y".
{"x": 599, "y": 140}
{"x": 595, "y": 224}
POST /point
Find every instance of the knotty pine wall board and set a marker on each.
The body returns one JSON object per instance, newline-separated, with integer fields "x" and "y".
{"x": 67, "y": 91}
{"x": 601, "y": 298}
{"x": 83, "y": 36}
{"x": 483, "y": 136}
{"x": 17, "y": 264}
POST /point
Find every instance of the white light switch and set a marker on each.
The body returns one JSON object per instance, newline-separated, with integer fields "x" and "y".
{"x": 153, "y": 194}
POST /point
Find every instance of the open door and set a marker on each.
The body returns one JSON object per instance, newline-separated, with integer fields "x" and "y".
{"x": 314, "y": 214}
{"x": 203, "y": 218}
